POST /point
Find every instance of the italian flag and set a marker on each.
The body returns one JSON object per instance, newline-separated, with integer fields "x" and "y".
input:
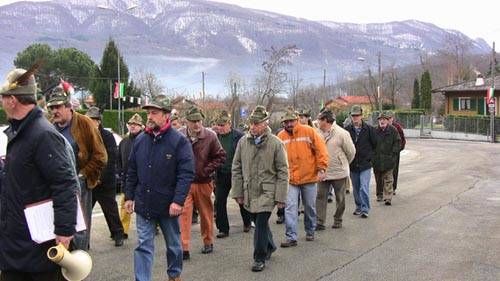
{"x": 490, "y": 95}
{"x": 119, "y": 90}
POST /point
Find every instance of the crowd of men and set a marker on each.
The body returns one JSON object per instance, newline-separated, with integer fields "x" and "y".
{"x": 166, "y": 171}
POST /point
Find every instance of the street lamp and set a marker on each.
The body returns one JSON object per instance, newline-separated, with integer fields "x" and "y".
{"x": 120, "y": 117}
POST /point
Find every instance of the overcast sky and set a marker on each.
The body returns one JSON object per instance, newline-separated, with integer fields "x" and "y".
{"x": 475, "y": 19}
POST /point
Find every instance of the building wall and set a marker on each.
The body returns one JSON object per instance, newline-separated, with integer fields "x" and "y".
{"x": 468, "y": 103}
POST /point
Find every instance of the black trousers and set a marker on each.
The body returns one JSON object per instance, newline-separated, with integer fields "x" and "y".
{"x": 262, "y": 237}
{"x": 396, "y": 173}
{"x": 222, "y": 189}
{"x": 106, "y": 196}
{"x": 23, "y": 276}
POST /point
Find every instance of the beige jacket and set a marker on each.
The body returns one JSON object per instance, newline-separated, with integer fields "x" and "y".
{"x": 341, "y": 152}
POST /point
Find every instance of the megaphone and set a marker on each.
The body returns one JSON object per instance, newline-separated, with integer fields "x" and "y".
{"x": 75, "y": 266}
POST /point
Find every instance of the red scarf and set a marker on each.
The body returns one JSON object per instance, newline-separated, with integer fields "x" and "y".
{"x": 162, "y": 130}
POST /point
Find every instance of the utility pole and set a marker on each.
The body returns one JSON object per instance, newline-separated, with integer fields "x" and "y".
{"x": 492, "y": 105}
{"x": 203, "y": 87}
{"x": 379, "y": 88}
{"x": 235, "y": 105}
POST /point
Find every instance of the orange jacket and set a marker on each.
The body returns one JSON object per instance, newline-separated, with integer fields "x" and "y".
{"x": 307, "y": 154}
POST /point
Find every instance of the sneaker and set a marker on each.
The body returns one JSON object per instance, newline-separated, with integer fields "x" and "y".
{"x": 258, "y": 266}
{"x": 320, "y": 227}
{"x": 330, "y": 200}
{"x": 186, "y": 255}
{"x": 337, "y": 225}
{"x": 222, "y": 235}
{"x": 118, "y": 242}
{"x": 310, "y": 237}
{"x": 207, "y": 249}
{"x": 364, "y": 215}
{"x": 388, "y": 202}
{"x": 288, "y": 243}
{"x": 379, "y": 198}
{"x": 357, "y": 213}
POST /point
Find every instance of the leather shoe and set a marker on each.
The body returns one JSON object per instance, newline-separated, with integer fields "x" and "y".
{"x": 118, "y": 242}
{"x": 258, "y": 266}
{"x": 186, "y": 255}
{"x": 280, "y": 220}
{"x": 320, "y": 227}
{"x": 288, "y": 243}
{"x": 247, "y": 228}
{"x": 222, "y": 235}
{"x": 309, "y": 237}
{"x": 337, "y": 225}
{"x": 388, "y": 202}
{"x": 207, "y": 249}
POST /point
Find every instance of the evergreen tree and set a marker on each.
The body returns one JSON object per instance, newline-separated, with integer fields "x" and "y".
{"x": 425, "y": 91}
{"x": 497, "y": 69}
{"x": 415, "y": 103}
{"x": 107, "y": 73}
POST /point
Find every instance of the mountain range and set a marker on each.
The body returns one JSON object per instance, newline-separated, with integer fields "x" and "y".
{"x": 178, "y": 39}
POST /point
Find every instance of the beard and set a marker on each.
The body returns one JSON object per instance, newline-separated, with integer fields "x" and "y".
{"x": 152, "y": 125}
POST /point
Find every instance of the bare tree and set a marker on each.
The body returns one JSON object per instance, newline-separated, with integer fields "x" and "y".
{"x": 273, "y": 77}
{"x": 148, "y": 83}
{"x": 394, "y": 85}
{"x": 456, "y": 50}
{"x": 293, "y": 87}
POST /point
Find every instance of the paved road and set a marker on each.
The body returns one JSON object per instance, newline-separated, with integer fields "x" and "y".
{"x": 444, "y": 225}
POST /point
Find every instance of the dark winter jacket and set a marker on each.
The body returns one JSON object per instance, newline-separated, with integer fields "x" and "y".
{"x": 108, "y": 179}
{"x": 37, "y": 167}
{"x": 208, "y": 153}
{"x": 365, "y": 145}
{"x": 124, "y": 149}
{"x": 387, "y": 150}
{"x": 160, "y": 171}
{"x": 235, "y": 138}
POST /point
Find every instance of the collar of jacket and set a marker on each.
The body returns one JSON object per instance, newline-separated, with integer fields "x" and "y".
{"x": 332, "y": 131}
{"x": 163, "y": 129}
{"x": 251, "y": 138}
{"x": 11, "y": 134}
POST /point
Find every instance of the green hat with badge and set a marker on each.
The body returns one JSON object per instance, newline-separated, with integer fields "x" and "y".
{"x": 18, "y": 82}
{"x": 223, "y": 118}
{"x": 305, "y": 112}
{"x": 289, "y": 115}
{"x": 194, "y": 114}
{"x": 259, "y": 114}
{"x": 136, "y": 119}
{"x": 58, "y": 96}
{"x": 383, "y": 115}
{"x": 159, "y": 102}
{"x": 356, "y": 110}
{"x": 94, "y": 112}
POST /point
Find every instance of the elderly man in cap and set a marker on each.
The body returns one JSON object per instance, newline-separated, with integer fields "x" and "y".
{"x": 364, "y": 139}
{"x": 386, "y": 153}
{"x": 38, "y": 167}
{"x": 259, "y": 181}
{"x": 399, "y": 128}
{"x": 160, "y": 171}
{"x": 308, "y": 160}
{"x": 135, "y": 127}
{"x": 105, "y": 191}
{"x": 209, "y": 155}
{"x": 341, "y": 152}
{"x": 229, "y": 139}
{"x": 89, "y": 149}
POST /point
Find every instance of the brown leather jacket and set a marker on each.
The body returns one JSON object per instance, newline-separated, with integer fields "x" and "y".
{"x": 92, "y": 156}
{"x": 208, "y": 154}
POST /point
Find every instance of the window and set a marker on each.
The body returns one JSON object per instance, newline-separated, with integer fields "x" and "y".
{"x": 464, "y": 104}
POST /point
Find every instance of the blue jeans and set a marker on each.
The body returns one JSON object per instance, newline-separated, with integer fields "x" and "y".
{"x": 361, "y": 190}
{"x": 309, "y": 192}
{"x": 144, "y": 252}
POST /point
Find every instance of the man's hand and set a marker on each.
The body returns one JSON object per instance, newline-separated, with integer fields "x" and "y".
{"x": 64, "y": 240}
{"x": 280, "y": 205}
{"x": 239, "y": 200}
{"x": 129, "y": 206}
{"x": 175, "y": 210}
{"x": 321, "y": 175}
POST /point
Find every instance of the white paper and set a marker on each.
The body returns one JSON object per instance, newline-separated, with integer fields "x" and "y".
{"x": 40, "y": 219}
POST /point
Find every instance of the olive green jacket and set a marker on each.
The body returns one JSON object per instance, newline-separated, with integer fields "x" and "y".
{"x": 260, "y": 172}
